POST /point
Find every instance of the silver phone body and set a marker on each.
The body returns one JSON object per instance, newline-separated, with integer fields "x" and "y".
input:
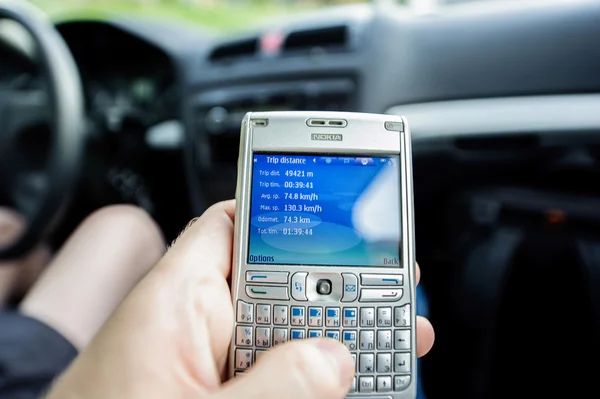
{"x": 258, "y": 303}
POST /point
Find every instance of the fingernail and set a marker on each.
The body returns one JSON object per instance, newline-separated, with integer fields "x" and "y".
{"x": 340, "y": 357}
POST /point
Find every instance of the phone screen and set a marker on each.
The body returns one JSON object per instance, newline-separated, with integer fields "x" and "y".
{"x": 325, "y": 210}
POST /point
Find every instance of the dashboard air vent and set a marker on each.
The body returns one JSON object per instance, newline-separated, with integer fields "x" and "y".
{"x": 234, "y": 50}
{"x": 327, "y": 38}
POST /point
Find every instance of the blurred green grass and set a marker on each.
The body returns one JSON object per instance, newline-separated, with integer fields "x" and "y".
{"x": 220, "y": 17}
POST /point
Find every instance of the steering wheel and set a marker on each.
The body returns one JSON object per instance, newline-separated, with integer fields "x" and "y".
{"x": 40, "y": 199}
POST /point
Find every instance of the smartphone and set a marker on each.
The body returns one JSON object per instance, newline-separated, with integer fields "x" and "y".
{"x": 324, "y": 243}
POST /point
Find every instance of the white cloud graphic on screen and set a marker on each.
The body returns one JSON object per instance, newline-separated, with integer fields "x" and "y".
{"x": 376, "y": 214}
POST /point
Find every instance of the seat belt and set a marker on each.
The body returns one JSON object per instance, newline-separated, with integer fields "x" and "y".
{"x": 589, "y": 253}
{"x": 483, "y": 281}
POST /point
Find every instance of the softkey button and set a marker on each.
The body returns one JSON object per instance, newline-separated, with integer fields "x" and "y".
{"x": 384, "y": 340}
{"x": 401, "y": 382}
{"x": 402, "y": 340}
{"x": 315, "y": 333}
{"x": 263, "y": 313}
{"x": 349, "y": 339}
{"x": 297, "y": 334}
{"x": 267, "y": 277}
{"x": 298, "y": 316}
{"x": 243, "y": 336}
{"x": 315, "y": 317}
{"x": 380, "y": 295}
{"x": 267, "y": 292}
{"x": 367, "y": 317}
{"x": 367, "y": 340}
{"x": 384, "y": 384}
{"x": 332, "y": 317}
{"x": 245, "y": 312}
{"x": 402, "y": 363}
{"x": 350, "y": 317}
{"x": 243, "y": 359}
{"x": 299, "y": 286}
{"x": 280, "y": 336}
{"x": 350, "y": 287}
{"x": 382, "y": 279}
{"x": 402, "y": 316}
{"x": 280, "y": 315}
{"x": 366, "y": 384}
{"x": 384, "y": 317}
{"x": 384, "y": 362}
{"x": 263, "y": 337}
{"x": 366, "y": 363}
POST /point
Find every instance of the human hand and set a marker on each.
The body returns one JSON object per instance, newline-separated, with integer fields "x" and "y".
{"x": 170, "y": 337}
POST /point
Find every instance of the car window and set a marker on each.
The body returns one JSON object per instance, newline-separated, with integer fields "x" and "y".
{"x": 220, "y": 15}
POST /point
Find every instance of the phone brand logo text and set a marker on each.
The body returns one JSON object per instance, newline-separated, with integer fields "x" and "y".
{"x": 326, "y": 137}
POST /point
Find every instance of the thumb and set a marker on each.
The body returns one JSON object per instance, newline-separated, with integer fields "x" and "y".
{"x": 308, "y": 369}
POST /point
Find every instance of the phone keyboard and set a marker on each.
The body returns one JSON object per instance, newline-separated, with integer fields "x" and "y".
{"x": 379, "y": 337}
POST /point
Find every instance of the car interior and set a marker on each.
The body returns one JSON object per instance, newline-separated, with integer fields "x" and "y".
{"x": 503, "y": 100}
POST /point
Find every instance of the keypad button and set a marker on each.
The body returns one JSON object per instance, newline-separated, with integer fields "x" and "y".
{"x": 263, "y": 337}
{"x": 349, "y": 339}
{"x": 353, "y": 386}
{"x": 382, "y": 279}
{"x": 367, "y": 317}
{"x": 402, "y": 316}
{"x": 350, "y": 317}
{"x": 402, "y": 340}
{"x": 243, "y": 336}
{"x": 384, "y": 317}
{"x": 333, "y": 334}
{"x": 367, "y": 340}
{"x": 315, "y": 333}
{"x": 401, "y": 382}
{"x": 297, "y": 334}
{"x": 350, "y": 287}
{"x": 299, "y": 286}
{"x": 315, "y": 317}
{"x": 366, "y": 384}
{"x": 402, "y": 363}
{"x": 245, "y": 312}
{"x": 384, "y": 340}
{"x": 243, "y": 359}
{"x": 380, "y": 295}
{"x": 280, "y": 336}
{"x": 259, "y": 354}
{"x": 267, "y": 277}
{"x": 268, "y": 292}
{"x": 354, "y": 360}
{"x": 332, "y": 317}
{"x": 384, "y": 384}
{"x": 366, "y": 363}
{"x": 298, "y": 316}
{"x": 280, "y": 315}
{"x": 384, "y": 363}
{"x": 263, "y": 313}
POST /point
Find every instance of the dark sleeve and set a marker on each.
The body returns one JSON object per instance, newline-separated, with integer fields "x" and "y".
{"x": 32, "y": 355}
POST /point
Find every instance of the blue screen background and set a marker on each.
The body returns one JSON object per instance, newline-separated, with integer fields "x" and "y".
{"x": 325, "y": 210}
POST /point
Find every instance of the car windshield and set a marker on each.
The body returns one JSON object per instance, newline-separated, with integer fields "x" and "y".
{"x": 220, "y": 15}
{"x": 217, "y": 15}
